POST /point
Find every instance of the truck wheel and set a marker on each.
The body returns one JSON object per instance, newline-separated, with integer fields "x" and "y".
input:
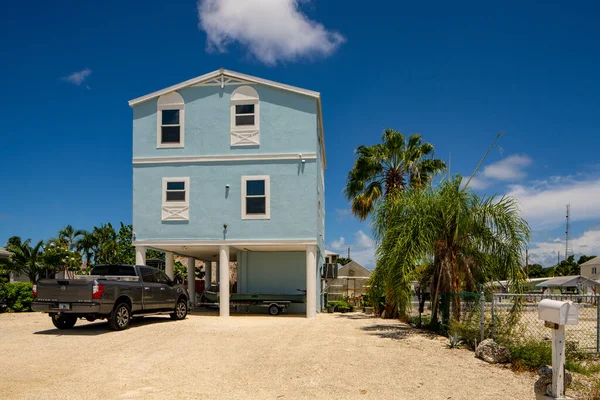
{"x": 274, "y": 309}
{"x": 120, "y": 317}
{"x": 64, "y": 321}
{"x": 180, "y": 310}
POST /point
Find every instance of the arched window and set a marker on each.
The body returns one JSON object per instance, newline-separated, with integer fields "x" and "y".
{"x": 245, "y": 117}
{"x": 170, "y": 131}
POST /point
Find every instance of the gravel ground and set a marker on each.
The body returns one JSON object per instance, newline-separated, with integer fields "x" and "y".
{"x": 336, "y": 356}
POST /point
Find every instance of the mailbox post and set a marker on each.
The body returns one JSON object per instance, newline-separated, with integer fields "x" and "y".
{"x": 557, "y": 314}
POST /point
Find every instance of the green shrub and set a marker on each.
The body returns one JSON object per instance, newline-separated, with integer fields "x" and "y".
{"x": 340, "y": 305}
{"x": 17, "y": 296}
{"x": 530, "y": 354}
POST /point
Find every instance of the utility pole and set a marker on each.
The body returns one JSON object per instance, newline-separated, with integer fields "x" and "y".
{"x": 348, "y": 252}
{"x": 568, "y": 233}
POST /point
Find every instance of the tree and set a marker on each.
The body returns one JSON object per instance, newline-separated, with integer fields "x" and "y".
{"x": 25, "y": 259}
{"x": 86, "y": 245}
{"x": 125, "y": 249}
{"x": 389, "y": 168}
{"x": 471, "y": 239}
{"x": 535, "y": 271}
{"x": 567, "y": 267}
{"x": 343, "y": 261}
{"x": 68, "y": 236}
{"x": 106, "y": 245}
{"x": 57, "y": 258}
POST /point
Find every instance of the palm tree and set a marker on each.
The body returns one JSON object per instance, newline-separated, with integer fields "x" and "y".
{"x": 388, "y": 168}
{"x": 86, "y": 245}
{"x": 105, "y": 250}
{"x": 470, "y": 239}
{"x": 68, "y": 236}
{"x": 25, "y": 259}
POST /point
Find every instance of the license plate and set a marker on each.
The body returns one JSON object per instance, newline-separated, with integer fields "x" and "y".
{"x": 64, "y": 306}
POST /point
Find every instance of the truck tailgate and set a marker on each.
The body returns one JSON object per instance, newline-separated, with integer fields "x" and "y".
{"x": 67, "y": 290}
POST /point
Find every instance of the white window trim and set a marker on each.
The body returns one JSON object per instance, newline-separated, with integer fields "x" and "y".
{"x": 267, "y": 179}
{"x": 594, "y": 270}
{"x": 245, "y": 135}
{"x": 170, "y": 105}
{"x": 175, "y": 210}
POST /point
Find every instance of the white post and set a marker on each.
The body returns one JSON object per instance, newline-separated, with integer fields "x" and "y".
{"x": 224, "y": 281}
{"x": 208, "y": 274}
{"x": 140, "y": 255}
{"x": 169, "y": 266}
{"x": 191, "y": 272}
{"x": 558, "y": 362}
{"x": 218, "y": 273}
{"x": 311, "y": 282}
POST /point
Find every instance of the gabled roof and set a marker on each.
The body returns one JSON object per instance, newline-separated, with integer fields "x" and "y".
{"x": 223, "y": 74}
{"x": 569, "y": 281}
{"x": 353, "y": 270}
{"x": 593, "y": 262}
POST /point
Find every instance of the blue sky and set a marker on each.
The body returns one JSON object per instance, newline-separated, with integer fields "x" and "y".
{"x": 456, "y": 72}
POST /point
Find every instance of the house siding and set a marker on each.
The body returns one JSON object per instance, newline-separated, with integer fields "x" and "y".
{"x": 288, "y": 124}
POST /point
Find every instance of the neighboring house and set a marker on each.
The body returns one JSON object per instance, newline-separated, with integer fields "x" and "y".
{"x": 351, "y": 282}
{"x": 331, "y": 257}
{"x": 230, "y": 167}
{"x": 591, "y": 269}
{"x": 4, "y": 253}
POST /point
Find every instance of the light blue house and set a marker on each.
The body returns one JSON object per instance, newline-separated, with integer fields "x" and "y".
{"x": 230, "y": 167}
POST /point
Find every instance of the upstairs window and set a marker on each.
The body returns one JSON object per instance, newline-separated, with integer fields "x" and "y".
{"x": 176, "y": 199}
{"x": 245, "y": 117}
{"x": 170, "y": 120}
{"x": 175, "y": 191}
{"x": 594, "y": 270}
{"x": 256, "y": 202}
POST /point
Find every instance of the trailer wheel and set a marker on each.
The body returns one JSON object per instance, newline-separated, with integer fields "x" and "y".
{"x": 64, "y": 321}
{"x": 274, "y": 309}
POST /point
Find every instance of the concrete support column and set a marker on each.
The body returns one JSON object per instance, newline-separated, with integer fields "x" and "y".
{"x": 218, "y": 273}
{"x": 191, "y": 272}
{"x": 224, "y": 281}
{"x": 311, "y": 281}
{"x": 169, "y": 264}
{"x": 140, "y": 255}
{"x": 208, "y": 274}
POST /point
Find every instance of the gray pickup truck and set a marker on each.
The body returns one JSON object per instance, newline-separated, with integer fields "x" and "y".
{"x": 112, "y": 292}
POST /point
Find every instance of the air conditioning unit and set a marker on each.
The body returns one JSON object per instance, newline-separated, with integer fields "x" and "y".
{"x": 330, "y": 271}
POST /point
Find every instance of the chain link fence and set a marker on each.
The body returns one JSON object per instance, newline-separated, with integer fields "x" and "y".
{"x": 514, "y": 317}
{"x": 524, "y": 322}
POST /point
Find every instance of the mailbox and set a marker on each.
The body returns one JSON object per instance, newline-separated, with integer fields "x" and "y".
{"x": 558, "y": 312}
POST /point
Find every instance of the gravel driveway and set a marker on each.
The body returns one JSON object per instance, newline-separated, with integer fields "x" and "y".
{"x": 349, "y": 356}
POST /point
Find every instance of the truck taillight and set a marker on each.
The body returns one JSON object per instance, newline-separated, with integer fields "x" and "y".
{"x": 34, "y": 289}
{"x": 97, "y": 291}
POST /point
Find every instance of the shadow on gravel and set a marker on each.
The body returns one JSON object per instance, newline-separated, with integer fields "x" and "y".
{"x": 356, "y": 316}
{"x": 389, "y": 331}
{"x": 100, "y": 327}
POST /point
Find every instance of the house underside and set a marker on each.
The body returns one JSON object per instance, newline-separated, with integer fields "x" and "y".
{"x": 267, "y": 267}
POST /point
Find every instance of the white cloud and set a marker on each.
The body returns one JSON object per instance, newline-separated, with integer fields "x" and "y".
{"x": 545, "y": 253}
{"x": 271, "y": 30}
{"x": 509, "y": 169}
{"x": 477, "y": 183}
{"x": 543, "y": 203}
{"x": 77, "y": 78}
{"x": 362, "y": 250}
